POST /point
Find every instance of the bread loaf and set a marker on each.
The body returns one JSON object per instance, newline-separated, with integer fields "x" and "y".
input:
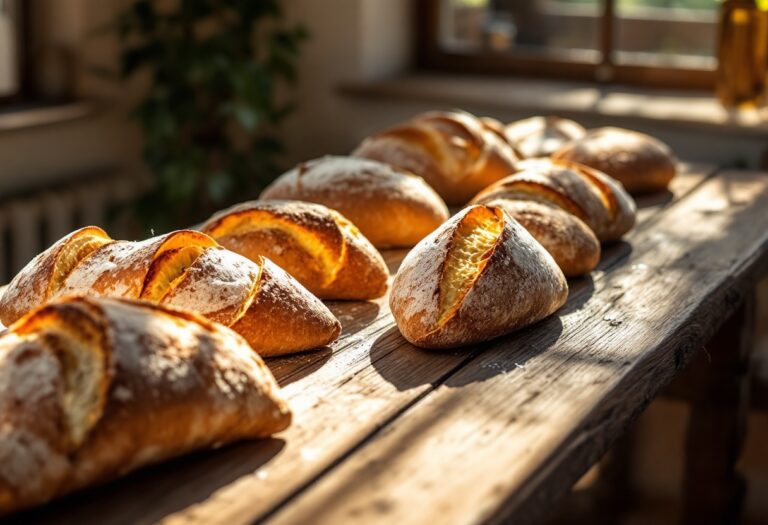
{"x": 316, "y": 245}
{"x": 455, "y": 152}
{"x": 91, "y": 389}
{"x": 542, "y": 136}
{"x": 391, "y": 207}
{"x": 570, "y": 242}
{"x": 591, "y": 196}
{"x": 640, "y": 162}
{"x": 568, "y": 208}
{"x": 480, "y": 275}
{"x": 185, "y": 269}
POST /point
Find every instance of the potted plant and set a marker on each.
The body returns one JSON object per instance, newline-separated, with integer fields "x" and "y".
{"x": 209, "y": 114}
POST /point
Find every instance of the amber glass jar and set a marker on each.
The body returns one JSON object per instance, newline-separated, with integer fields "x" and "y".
{"x": 743, "y": 54}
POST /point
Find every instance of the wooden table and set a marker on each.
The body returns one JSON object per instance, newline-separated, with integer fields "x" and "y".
{"x": 386, "y": 433}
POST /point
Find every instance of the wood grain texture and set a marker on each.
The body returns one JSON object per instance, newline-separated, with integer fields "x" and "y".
{"x": 509, "y": 432}
{"x": 341, "y": 396}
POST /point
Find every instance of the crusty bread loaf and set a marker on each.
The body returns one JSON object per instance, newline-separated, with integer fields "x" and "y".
{"x": 480, "y": 275}
{"x": 591, "y": 196}
{"x": 185, "y": 269}
{"x": 542, "y": 136}
{"x": 316, "y": 245}
{"x": 640, "y": 162}
{"x": 567, "y": 207}
{"x": 91, "y": 389}
{"x": 570, "y": 242}
{"x": 455, "y": 152}
{"x": 391, "y": 207}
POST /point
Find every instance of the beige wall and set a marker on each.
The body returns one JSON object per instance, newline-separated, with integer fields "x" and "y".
{"x": 35, "y": 156}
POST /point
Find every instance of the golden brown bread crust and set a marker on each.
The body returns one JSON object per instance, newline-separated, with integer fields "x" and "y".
{"x": 391, "y": 207}
{"x": 542, "y": 136}
{"x": 33, "y": 285}
{"x": 283, "y": 307}
{"x": 455, "y": 152}
{"x": 567, "y": 238}
{"x": 316, "y": 245}
{"x": 640, "y": 162}
{"x": 166, "y": 383}
{"x": 517, "y": 283}
{"x": 212, "y": 281}
{"x": 588, "y": 194}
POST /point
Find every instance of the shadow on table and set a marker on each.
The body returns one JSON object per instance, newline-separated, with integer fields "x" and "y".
{"x": 407, "y": 367}
{"x": 352, "y": 315}
{"x": 289, "y": 369}
{"x": 658, "y": 198}
{"x": 164, "y": 489}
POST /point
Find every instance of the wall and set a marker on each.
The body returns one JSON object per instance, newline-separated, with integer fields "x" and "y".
{"x": 38, "y": 156}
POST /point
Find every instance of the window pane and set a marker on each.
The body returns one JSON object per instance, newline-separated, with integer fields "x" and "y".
{"x": 9, "y": 81}
{"x": 670, "y": 33}
{"x": 561, "y": 29}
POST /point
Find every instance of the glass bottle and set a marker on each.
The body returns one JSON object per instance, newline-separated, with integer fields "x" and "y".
{"x": 742, "y": 54}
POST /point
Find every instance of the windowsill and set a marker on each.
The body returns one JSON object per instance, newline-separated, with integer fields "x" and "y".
{"x": 699, "y": 110}
{"x": 25, "y": 116}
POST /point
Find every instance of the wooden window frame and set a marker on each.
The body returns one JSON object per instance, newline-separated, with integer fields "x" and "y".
{"x": 24, "y": 56}
{"x": 432, "y": 56}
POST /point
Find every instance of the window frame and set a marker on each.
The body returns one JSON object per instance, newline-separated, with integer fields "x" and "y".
{"x": 23, "y": 55}
{"x": 431, "y": 56}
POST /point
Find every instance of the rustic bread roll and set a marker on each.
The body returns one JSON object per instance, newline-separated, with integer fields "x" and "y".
{"x": 185, "y": 269}
{"x": 569, "y": 241}
{"x": 91, "y": 389}
{"x": 480, "y": 275}
{"x": 591, "y": 196}
{"x": 318, "y": 246}
{"x": 640, "y": 162}
{"x": 542, "y": 136}
{"x": 391, "y": 207}
{"x": 455, "y": 152}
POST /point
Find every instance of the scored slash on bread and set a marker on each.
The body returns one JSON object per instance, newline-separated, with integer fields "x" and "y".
{"x": 93, "y": 388}
{"x": 316, "y": 245}
{"x": 185, "y": 269}
{"x": 393, "y": 208}
{"x": 567, "y": 207}
{"x": 457, "y": 153}
{"x": 479, "y": 276}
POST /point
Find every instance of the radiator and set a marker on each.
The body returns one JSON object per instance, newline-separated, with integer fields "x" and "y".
{"x": 31, "y": 223}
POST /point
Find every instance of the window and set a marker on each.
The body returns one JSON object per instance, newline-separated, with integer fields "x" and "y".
{"x": 12, "y": 49}
{"x": 665, "y": 43}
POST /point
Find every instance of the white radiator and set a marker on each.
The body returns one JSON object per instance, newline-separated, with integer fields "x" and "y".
{"x": 30, "y": 224}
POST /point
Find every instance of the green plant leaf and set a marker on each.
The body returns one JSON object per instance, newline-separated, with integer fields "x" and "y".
{"x": 209, "y": 117}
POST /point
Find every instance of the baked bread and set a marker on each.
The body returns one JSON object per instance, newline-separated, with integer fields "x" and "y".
{"x": 542, "y": 136}
{"x": 185, "y": 269}
{"x": 640, "y": 162}
{"x": 570, "y": 242}
{"x": 91, "y": 389}
{"x": 480, "y": 275}
{"x": 455, "y": 152}
{"x": 591, "y": 196}
{"x": 316, "y": 245}
{"x": 391, "y": 207}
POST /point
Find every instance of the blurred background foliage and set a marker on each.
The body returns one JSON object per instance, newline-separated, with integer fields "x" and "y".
{"x": 210, "y": 112}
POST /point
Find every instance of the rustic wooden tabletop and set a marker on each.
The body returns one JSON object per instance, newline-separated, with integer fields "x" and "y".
{"x": 387, "y": 433}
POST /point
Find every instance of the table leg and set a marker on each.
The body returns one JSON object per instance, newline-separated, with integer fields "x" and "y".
{"x": 713, "y": 490}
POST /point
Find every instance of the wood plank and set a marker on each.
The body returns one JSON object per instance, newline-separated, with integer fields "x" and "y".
{"x": 341, "y": 396}
{"x": 508, "y": 433}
